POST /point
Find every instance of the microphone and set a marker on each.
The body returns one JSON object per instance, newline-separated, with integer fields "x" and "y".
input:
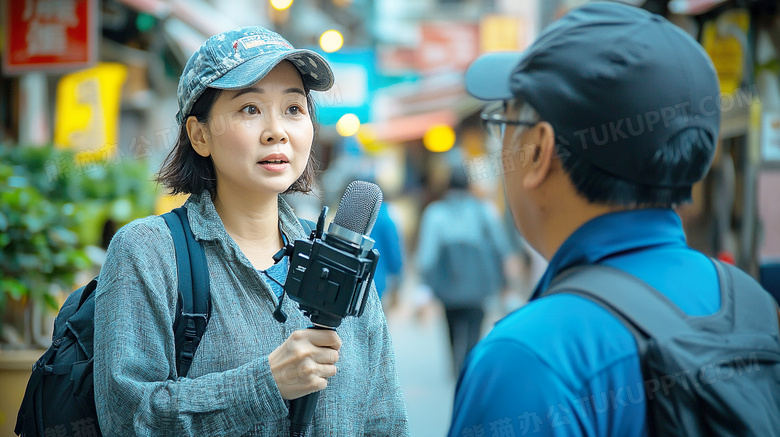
{"x": 359, "y": 207}
{"x": 330, "y": 274}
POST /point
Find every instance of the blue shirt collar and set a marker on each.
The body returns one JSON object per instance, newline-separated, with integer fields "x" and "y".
{"x": 613, "y": 234}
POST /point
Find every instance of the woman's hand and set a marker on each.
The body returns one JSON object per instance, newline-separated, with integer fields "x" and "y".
{"x": 302, "y": 364}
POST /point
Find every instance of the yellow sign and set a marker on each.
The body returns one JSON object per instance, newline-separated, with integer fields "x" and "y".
{"x": 87, "y": 111}
{"x": 724, "y": 40}
{"x": 501, "y": 33}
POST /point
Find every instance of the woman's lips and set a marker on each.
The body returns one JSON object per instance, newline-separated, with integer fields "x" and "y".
{"x": 274, "y": 162}
{"x": 274, "y": 165}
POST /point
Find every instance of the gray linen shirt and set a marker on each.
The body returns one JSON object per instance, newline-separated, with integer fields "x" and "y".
{"x": 230, "y": 389}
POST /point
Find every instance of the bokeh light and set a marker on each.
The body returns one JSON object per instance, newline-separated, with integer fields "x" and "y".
{"x": 281, "y": 5}
{"x": 348, "y": 125}
{"x": 439, "y": 138}
{"x": 331, "y": 40}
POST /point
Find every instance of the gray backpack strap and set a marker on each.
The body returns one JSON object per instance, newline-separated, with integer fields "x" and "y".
{"x": 641, "y": 308}
{"x": 746, "y": 308}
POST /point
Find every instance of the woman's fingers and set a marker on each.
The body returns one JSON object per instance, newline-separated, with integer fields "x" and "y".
{"x": 327, "y": 356}
{"x": 302, "y": 364}
{"x": 321, "y": 337}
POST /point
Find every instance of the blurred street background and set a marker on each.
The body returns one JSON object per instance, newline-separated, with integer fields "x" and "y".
{"x": 87, "y": 105}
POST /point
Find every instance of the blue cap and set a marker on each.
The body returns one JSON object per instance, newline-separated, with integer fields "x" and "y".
{"x": 615, "y": 82}
{"x": 241, "y": 57}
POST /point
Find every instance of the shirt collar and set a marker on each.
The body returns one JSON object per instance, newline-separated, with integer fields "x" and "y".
{"x": 612, "y": 234}
{"x": 203, "y": 218}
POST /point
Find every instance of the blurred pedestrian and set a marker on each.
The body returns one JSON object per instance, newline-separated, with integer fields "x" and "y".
{"x": 246, "y": 133}
{"x": 610, "y": 117}
{"x": 461, "y": 254}
{"x": 390, "y": 246}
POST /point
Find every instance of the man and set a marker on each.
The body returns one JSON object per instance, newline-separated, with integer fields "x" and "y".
{"x": 610, "y": 117}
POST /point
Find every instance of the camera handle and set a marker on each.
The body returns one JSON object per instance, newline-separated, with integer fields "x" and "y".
{"x": 302, "y": 409}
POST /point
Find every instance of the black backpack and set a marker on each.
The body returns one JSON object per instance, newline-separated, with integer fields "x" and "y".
{"x": 716, "y": 375}
{"x": 60, "y": 397}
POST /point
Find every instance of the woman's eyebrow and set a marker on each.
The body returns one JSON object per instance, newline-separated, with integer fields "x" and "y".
{"x": 258, "y": 90}
{"x": 295, "y": 91}
{"x": 243, "y": 91}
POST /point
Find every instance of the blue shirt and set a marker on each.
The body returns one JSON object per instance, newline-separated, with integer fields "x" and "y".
{"x": 277, "y": 271}
{"x": 564, "y": 366}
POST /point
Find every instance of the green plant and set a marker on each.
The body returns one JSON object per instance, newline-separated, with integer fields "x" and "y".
{"x": 108, "y": 189}
{"x": 39, "y": 247}
{"x": 53, "y": 205}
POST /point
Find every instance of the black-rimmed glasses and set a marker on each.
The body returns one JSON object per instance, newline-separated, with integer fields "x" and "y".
{"x": 495, "y": 121}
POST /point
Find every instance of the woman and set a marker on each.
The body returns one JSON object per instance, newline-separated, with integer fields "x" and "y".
{"x": 246, "y": 132}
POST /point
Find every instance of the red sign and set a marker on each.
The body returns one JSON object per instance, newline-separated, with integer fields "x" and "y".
{"x": 49, "y": 35}
{"x": 447, "y": 46}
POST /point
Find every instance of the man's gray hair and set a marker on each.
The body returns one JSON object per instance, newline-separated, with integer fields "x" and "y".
{"x": 525, "y": 112}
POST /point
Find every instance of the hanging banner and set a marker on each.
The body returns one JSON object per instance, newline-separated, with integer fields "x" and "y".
{"x": 54, "y": 35}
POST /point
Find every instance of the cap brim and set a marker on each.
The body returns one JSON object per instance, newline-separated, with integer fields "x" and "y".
{"x": 315, "y": 71}
{"x": 488, "y": 78}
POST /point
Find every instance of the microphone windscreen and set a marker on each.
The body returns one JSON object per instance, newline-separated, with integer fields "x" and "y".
{"x": 359, "y": 207}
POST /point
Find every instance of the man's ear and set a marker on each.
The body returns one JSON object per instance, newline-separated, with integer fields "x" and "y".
{"x": 198, "y": 136}
{"x": 542, "y": 154}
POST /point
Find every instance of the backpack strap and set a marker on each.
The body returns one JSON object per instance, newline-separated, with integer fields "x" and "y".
{"x": 641, "y": 308}
{"x": 650, "y": 314}
{"x": 194, "y": 301}
{"x": 747, "y": 310}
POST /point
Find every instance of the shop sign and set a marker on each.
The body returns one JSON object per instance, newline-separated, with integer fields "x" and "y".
{"x": 87, "y": 110}
{"x": 726, "y": 48}
{"x": 355, "y": 74}
{"x": 502, "y": 33}
{"x": 770, "y": 137}
{"x": 53, "y": 35}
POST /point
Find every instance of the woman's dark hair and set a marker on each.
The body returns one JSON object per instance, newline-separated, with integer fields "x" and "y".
{"x": 186, "y": 172}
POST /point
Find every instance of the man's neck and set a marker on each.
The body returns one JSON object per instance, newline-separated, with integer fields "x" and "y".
{"x": 563, "y": 218}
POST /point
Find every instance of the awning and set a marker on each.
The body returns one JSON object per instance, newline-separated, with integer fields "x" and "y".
{"x": 188, "y": 23}
{"x": 404, "y": 112}
{"x": 197, "y": 14}
{"x": 411, "y": 127}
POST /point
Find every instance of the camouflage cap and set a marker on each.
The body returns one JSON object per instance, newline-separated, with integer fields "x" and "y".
{"x": 241, "y": 57}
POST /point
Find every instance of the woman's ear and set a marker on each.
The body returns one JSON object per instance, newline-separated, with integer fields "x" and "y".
{"x": 542, "y": 153}
{"x": 199, "y": 137}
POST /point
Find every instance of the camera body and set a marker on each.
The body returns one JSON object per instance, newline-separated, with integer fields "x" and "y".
{"x": 330, "y": 277}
